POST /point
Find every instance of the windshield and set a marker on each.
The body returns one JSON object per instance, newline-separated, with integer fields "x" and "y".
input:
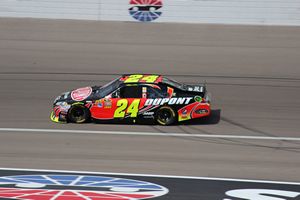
{"x": 173, "y": 83}
{"x": 108, "y": 88}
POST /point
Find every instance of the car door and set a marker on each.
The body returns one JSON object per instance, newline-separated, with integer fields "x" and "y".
{"x": 125, "y": 102}
{"x": 128, "y": 102}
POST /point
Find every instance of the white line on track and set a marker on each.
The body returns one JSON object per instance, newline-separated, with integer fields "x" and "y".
{"x": 244, "y": 137}
{"x": 154, "y": 175}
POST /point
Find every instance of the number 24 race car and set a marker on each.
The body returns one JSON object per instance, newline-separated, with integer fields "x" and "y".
{"x": 134, "y": 98}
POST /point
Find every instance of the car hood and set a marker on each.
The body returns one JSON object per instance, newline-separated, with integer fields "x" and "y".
{"x": 78, "y": 95}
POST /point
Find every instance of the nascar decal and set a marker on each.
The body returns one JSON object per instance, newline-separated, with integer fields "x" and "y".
{"x": 76, "y": 187}
{"x": 169, "y": 101}
{"x": 81, "y": 93}
{"x": 145, "y": 10}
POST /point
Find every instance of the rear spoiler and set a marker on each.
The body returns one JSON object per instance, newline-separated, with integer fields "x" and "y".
{"x": 207, "y": 97}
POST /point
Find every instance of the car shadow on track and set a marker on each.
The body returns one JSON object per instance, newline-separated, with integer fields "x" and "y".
{"x": 214, "y": 118}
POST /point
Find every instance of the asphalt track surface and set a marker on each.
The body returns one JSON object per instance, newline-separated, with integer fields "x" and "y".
{"x": 253, "y": 73}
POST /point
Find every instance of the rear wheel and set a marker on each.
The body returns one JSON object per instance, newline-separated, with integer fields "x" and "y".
{"x": 78, "y": 114}
{"x": 165, "y": 116}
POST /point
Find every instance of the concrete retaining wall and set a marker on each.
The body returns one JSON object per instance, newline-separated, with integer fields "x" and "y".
{"x": 271, "y": 12}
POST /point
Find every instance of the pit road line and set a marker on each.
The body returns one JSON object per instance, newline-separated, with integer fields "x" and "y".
{"x": 246, "y": 137}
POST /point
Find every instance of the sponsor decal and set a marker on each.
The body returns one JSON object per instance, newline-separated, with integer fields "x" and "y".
{"x": 144, "y": 92}
{"x": 144, "y": 89}
{"x": 198, "y": 98}
{"x": 184, "y": 113}
{"x": 81, "y": 93}
{"x": 195, "y": 88}
{"x": 169, "y": 101}
{"x": 170, "y": 92}
{"x": 145, "y": 10}
{"x": 79, "y": 187}
{"x": 99, "y": 103}
{"x": 107, "y": 103}
{"x": 148, "y": 113}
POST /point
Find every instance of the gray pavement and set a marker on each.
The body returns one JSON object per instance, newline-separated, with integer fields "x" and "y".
{"x": 252, "y": 71}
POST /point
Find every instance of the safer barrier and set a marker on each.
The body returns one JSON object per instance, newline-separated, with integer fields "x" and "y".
{"x": 268, "y": 12}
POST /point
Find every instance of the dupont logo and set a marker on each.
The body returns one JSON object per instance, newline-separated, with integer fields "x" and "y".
{"x": 145, "y": 10}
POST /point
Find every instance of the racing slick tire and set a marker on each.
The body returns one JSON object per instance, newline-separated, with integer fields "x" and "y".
{"x": 78, "y": 114}
{"x": 165, "y": 116}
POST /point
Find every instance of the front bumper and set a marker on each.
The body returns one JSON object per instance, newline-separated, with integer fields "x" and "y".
{"x": 58, "y": 115}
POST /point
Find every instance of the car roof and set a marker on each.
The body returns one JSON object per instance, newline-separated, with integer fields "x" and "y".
{"x": 141, "y": 78}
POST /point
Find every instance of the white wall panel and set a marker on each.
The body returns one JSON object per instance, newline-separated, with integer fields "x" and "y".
{"x": 65, "y": 9}
{"x": 278, "y": 12}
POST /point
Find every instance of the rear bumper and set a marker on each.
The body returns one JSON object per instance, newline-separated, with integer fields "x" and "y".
{"x": 208, "y": 97}
{"x": 194, "y": 110}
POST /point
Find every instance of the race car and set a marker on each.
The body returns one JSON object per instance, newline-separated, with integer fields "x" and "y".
{"x": 134, "y": 98}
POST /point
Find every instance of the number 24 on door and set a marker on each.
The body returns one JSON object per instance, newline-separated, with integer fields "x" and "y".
{"x": 123, "y": 108}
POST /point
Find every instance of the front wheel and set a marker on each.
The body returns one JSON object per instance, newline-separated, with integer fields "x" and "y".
{"x": 78, "y": 114}
{"x": 165, "y": 116}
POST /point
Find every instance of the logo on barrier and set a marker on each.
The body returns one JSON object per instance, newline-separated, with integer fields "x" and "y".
{"x": 145, "y": 10}
{"x": 72, "y": 186}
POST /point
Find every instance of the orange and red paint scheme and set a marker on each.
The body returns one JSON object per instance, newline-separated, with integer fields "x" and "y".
{"x": 134, "y": 98}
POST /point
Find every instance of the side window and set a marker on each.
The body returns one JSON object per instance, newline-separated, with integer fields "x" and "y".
{"x": 154, "y": 93}
{"x": 131, "y": 92}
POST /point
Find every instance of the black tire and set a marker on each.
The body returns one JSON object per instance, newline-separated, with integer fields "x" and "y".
{"x": 78, "y": 114}
{"x": 165, "y": 116}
